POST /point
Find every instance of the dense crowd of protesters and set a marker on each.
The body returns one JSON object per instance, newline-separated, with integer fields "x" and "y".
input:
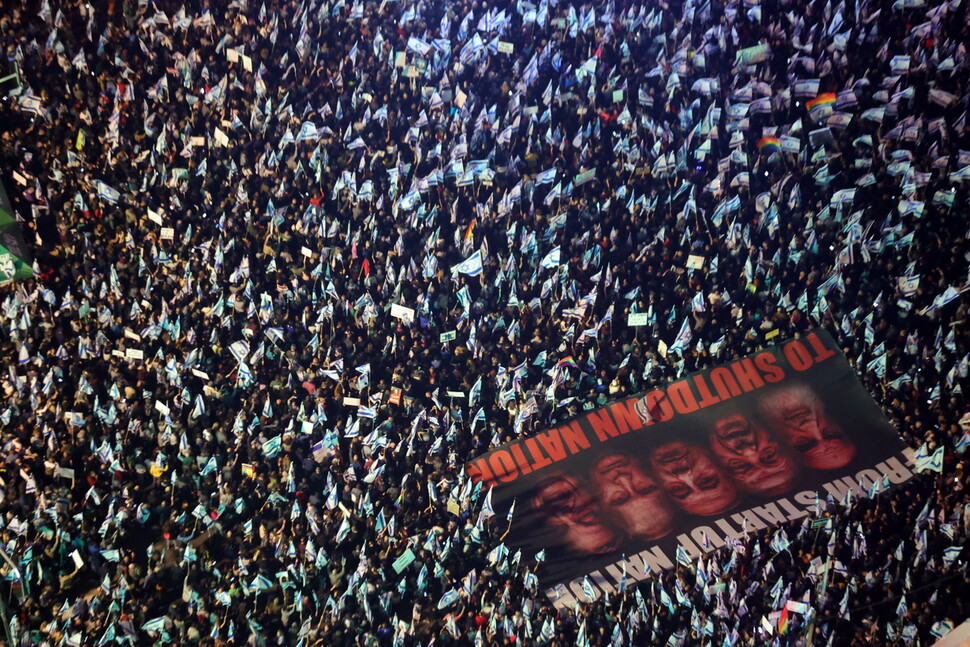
{"x": 227, "y": 198}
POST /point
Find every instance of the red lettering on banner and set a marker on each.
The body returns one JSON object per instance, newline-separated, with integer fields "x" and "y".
{"x": 478, "y": 470}
{"x": 707, "y": 398}
{"x": 724, "y": 383}
{"x": 503, "y": 465}
{"x": 658, "y": 400}
{"x": 797, "y": 355}
{"x": 539, "y": 460}
{"x": 552, "y": 443}
{"x": 575, "y": 439}
{"x": 748, "y": 376}
{"x": 626, "y": 416}
{"x": 520, "y": 460}
{"x": 821, "y": 352}
{"x": 682, "y": 397}
{"x": 602, "y": 424}
{"x": 766, "y": 364}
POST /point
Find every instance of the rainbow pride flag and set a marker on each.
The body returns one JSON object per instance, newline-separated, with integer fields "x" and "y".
{"x": 769, "y": 145}
{"x": 783, "y": 622}
{"x": 568, "y": 361}
{"x": 824, "y": 100}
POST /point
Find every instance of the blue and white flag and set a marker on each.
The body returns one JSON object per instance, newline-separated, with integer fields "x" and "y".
{"x": 683, "y": 337}
{"x": 932, "y": 462}
{"x": 546, "y": 177}
{"x": 472, "y": 266}
{"x": 551, "y": 259}
{"x": 107, "y": 193}
{"x": 272, "y": 446}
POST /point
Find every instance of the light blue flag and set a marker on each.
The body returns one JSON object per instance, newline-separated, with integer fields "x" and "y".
{"x": 210, "y": 466}
{"x": 588, "y": 588}
{"x": 272, "y": 446}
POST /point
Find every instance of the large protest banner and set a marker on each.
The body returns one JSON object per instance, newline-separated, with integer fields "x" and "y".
{"x": 623, "y": 490}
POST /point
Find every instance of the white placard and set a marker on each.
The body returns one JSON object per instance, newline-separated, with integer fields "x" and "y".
{"x": 402, "y": 312}
{"x": 637, "y": 319}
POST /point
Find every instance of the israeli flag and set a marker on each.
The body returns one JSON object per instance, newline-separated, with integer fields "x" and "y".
{"x": 683, "y": 337}
{"x": 308, "y": 131}
{"x": 154, "y": 625}
{"x": 551, "y": 259}
{"x": 272, "y": 446}
{"x": 472, "y": 266}
{"x": 239, "y": 350}
{"x": 932, "y": 462}
{"x": 107, "y": 193}
{"x": 546, "y": 177}
{"x": 448, "y": 599}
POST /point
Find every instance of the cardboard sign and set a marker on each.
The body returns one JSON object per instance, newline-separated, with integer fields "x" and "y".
{"x": 395, "y": 396}
{"x": 448, "y": 336}
{"x": 505, "y": 48}
{"x": 134, "y": 353}
{"x": 352, "y": 402}
{"x": 168, "y": 233}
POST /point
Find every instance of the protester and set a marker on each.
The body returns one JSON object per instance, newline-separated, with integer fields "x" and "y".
{"x": 273, "y": 241}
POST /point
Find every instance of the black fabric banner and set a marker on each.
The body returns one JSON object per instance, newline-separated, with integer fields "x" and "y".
{"x": 689, "y": 467}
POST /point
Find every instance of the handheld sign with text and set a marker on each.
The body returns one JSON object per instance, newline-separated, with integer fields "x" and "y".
{"x": 638, "y": 319}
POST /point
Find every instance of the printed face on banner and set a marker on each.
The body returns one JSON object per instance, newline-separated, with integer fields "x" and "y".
{"x": 752, "y": 456}
{"x": 694, "y": 464}
{"x": 631, "y": 498}
{"x": 569, "y": 509}
{"x": 799, "y": 416}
